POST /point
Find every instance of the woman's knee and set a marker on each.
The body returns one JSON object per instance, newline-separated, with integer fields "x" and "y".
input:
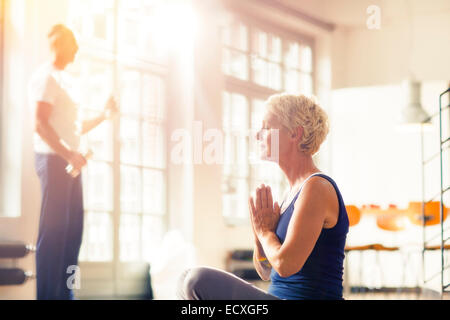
{"x": 192, "y": 282}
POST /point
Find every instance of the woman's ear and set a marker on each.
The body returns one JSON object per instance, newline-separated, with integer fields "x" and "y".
{"x": 297, "y": 133}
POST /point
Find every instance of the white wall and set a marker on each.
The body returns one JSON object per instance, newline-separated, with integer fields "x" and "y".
{"x": 407, "y": 44}
{"x": 375, "y": 162}
{"x": 372, "y": 161}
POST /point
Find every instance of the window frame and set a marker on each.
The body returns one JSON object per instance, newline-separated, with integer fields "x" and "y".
{"x": 252, "y": 23}
{"x": 120, "y": 62}
{"x": 116, "y": 276}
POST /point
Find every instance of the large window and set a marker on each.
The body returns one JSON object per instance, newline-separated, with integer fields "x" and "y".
{"x": 125, "y": 182}
{"x": 257, "y": 61}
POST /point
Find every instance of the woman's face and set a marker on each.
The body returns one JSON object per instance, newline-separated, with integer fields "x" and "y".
{"x": 273, "y": 138}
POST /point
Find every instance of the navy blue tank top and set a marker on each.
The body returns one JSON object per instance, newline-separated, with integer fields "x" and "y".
{"x": 321, "y": 275}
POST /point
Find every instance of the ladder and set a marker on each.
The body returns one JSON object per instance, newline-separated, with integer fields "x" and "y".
{"x": 444, "y": 143}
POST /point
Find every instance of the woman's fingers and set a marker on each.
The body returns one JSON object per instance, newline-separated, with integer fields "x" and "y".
{"x": 251, "y": 206}
{"x": 250, "y": 209}
{"x": 253, "y": 215}
{"x": 269, "y": 198}
{"x": 263, "y": 196}
{"x": 276, "y": 208}
{"x": 258, "y": 198}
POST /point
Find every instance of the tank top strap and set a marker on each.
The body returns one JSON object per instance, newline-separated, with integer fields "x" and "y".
{"x": 303, "y": 184}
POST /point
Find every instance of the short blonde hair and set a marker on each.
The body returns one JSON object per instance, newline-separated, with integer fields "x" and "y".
{"x": 299, "y": 110}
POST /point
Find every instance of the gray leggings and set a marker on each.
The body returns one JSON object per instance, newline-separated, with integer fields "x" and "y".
{"x": 205, "y": 283}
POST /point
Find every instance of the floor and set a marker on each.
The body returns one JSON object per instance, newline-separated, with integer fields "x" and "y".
{"x": 419, "y": 295}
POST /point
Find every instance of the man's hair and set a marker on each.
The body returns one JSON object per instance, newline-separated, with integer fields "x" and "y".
{"x": 58, "y": 36}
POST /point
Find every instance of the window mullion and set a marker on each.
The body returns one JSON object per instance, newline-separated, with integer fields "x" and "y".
{"x": 249, "y": 53}
{"x": 116, "y": 160}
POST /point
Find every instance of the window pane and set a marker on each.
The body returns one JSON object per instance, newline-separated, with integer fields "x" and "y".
{"x": 130, "y": 92}
{"x": 130, "y": 189}
{"x": 266, "y": 74}
{"x": 153, "y": 97}
{"x": 292, "y": 81}
{"x": 306, "y": 85}
{"x": 298, "y": 82}
{"x": 97, "y": 242}
{"x": 274, "y": 48}
{"x": 235, "y": 64}
{"x": 258, "y": 112}
{"x": 260, "y": 43}
{"x": 130, "y": 141}
{"x": 152, "y": 234}
{"x": 236, "y": 36}
{"x": 129, "y": 235}
{"x": 93, "y": 82}
{"x": 153, "y": 192}
{"x": 93, "y": 21}
{"x": 153, "y": 151}
{"x": 260, "y": 72}
{"x": 235, "y": 155}
{"x": 228, "y": 156}
{"x": 138, "y": 30}
{"x": 299, "y": 57}
{"x": 267, "y": 46}
{"x": 235, "y": 112}
{"x": 235, "y": 198}
{"x": 99, "y": 140}
{"x": 98, "y": 186}
{"x": 306, "y": 59}
{"x": 292, "y": 56}
{"x": 274, "y": 76}
{"x": 235, "y": 125}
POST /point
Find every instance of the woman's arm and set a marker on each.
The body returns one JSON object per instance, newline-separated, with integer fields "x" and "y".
{"x": 260, "y": 261}
{"x": 48, "y": 134}
{"x": 304, "y": 228}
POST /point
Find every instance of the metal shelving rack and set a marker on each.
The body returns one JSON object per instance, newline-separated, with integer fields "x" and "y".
{"x": 443, "y": 145}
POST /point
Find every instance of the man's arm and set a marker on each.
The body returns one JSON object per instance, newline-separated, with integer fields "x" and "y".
{"x": 88, "y": 125}
{"x": 109, "y": 111}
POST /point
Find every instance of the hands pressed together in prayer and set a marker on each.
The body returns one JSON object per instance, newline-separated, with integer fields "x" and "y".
{"x": 264, "y": 214}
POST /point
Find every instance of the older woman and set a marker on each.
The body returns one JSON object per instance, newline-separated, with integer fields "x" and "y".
{"x": 56, "y": 143}
{"x": 300, "y": 246}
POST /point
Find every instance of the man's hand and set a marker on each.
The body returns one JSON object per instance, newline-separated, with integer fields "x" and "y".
{"x": 77, "y": 160}
{"x": 110, "y": 108}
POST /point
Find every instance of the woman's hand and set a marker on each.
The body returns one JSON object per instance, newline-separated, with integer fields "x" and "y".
{"x": 110, "y": 108}
{"x": 264, "y": 213}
